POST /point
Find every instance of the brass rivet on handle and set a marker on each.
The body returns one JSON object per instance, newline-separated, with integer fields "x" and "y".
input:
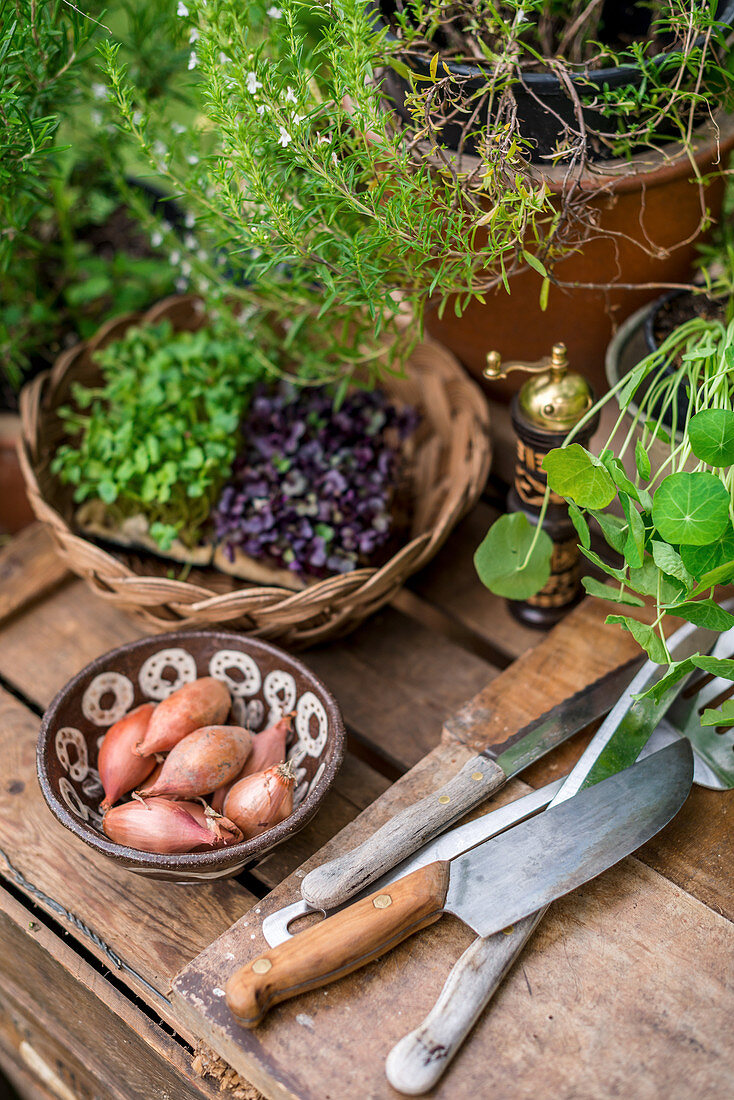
{"x": 443, "y": 799}
{"x": 508, "y": 931}
{"x": 477, "y": 776}
{"x": 382, "y": 901}
{"x": 261, "y": 966}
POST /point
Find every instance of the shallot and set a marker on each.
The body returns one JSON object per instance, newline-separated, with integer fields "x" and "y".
{"x": 159, "y": 825}
{"x": 201, "y": 762}
{"x": 204, "y": 702}
{"x": 258, "y": 802}
{"x": 222, "y": 828}
{"x": 120, "y": 768}
{"x": 268, "y": 748}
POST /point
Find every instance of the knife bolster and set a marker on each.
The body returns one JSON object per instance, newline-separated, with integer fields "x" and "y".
{"x": 339, "y": 944}
{"x": 335, "y": 882}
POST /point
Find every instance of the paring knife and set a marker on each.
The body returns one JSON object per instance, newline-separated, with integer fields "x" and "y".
{"x": 275, "y": 927}
{"x": 333, "y": 883}
{"x": 489, "y": 887}
{"x": 416, "y": 1063}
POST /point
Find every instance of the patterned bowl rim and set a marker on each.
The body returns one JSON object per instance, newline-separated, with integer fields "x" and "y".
{"x": 246, "y": 850}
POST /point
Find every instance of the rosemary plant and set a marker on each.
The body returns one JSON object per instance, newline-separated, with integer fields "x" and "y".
{"x": 329, "y": 203}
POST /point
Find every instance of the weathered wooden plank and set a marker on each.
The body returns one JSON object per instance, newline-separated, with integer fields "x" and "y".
{"x": 154, "y": 927}
{"x": 397, "y": 682}
{"x": 74, "y": 1029}
{"x": 29, "y": 567}
{"x": 626, "y": 990}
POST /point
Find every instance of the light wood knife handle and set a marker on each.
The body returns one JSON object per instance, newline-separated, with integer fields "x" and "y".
{"x": 339, "y": 944}
{"x": 333, "y": 883}
{"x": 415, "y": 1064}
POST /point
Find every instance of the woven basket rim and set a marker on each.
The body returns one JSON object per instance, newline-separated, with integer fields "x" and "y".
{"x": 193, "y": 604}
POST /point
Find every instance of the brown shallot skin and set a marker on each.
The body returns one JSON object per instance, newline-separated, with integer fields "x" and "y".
{"x": 259, "y": 801}
{"x": 120, "y": 768}
{"x": 224, "y": 830}
{"x": 204, "y": 702}
{"x": 268, "y": 748}
{"x": 158, "y": 825}
{"x": 204, "y": 760}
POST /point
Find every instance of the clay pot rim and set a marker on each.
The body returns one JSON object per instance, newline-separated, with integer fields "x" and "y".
{"x": 217, "y": 859}
{"x": 613, "y": 75}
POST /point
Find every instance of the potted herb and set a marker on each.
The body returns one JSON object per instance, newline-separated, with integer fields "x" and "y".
{"x": 314, "y": 173}
{"x": 668, "y": 516}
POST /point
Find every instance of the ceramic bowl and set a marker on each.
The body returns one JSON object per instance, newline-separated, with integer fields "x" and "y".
{"x": 264, "y": 682}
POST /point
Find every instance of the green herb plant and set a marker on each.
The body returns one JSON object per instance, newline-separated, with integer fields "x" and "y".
{"x": 330, "y": 204}
{"x": 159, "y": 436}
{"x": 675, "y": 533}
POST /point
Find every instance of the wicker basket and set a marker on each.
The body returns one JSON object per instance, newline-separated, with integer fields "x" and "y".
{"x": 448, "y": 464}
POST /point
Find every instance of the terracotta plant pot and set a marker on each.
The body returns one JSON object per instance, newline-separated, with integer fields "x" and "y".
{"x": 15, "y": 510}
{"x": 654, "y": 209}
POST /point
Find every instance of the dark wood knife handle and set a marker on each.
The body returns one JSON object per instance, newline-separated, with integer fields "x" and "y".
{"x": 338, "y": 945}
{"x": 333, "y": 883}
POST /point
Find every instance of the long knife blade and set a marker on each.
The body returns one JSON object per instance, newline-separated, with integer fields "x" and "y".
{"x": 332, "y": 884}
{"x": 505, "y": 879}
{"x": 417, "y": 1062}
{"x": 276, "y": 926}
{"x": 612, "y": 818}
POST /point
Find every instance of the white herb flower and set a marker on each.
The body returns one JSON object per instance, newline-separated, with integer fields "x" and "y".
{"x": 182, "y": 10}
{"x": 159, "y": 148}
{"x": 178, "y": 128}
{"x": 261, "y": 109}
{"x": 175, "y": 258}
{"x": 274, "y": 13}
{"x": 137, "y": 118}
{"x": 186, "y": 268}
{"x": 252, "y": 83}
{"x": 290, "y": 95}
{"x": 192, "y": 159}
{"x": 99, "y": 91}
{"x": 223, "y": 59}
{"x": 156, "y": 238}
{"x": 285, "y": 138}
{"x": 181, "y": 284}
{"x": 192, "y": 60}
{"x": 97, "y": 118}
{"x": 189, "y": 221}
{"x": 193, "y": 35}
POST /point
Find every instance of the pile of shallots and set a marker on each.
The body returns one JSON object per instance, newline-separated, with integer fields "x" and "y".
{"x": 206, "y": 784}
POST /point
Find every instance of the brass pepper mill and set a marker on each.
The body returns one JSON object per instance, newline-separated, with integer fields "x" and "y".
{"x": 543, "y": 412}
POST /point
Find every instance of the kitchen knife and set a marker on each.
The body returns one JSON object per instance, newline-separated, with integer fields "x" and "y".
{"x": 489, "y": 887}
{"x": 333, "y": 883}
{"x": 416, "y": 1063}
{"x": 275, "y": 927}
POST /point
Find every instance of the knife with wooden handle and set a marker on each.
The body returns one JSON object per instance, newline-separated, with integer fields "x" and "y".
{"x": 489, "y": 887}
{"x": 418, "y": 1061}
{"x": 332, "y": 884}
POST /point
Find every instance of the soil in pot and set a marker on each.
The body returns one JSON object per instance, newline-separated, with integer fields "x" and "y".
{"x": 677, "y": 308}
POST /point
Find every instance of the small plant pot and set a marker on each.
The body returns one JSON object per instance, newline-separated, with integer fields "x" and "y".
{"x": 15, "y": 510}
{"x": 542, "y": 104}
{"x": 626, "y": 349}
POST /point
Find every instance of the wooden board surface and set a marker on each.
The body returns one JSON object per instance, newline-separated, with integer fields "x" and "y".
{"x": 627, "y": 990}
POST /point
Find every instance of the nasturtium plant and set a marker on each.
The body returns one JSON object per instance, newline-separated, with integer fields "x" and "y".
{"x": 669, "y": 519}
{"x": 514, "y": 560}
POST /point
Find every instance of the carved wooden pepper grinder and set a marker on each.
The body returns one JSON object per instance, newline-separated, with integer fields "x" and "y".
{"x": 543, "y": 412}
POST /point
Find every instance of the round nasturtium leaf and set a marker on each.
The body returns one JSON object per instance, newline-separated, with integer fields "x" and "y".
{"x": 691, "y": 509}
{"x": 500, "y": 558}
{"x": 574, "y": 473}
{"x": 711, "y": 434}
{"x": 702, "y": 559}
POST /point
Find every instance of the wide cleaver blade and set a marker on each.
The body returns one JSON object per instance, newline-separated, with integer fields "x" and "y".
{"x": 503, "y": 880}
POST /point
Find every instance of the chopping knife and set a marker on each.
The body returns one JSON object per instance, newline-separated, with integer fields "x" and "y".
{"x": 333, "y": 883}
{"x": 489, "y": 887}
{"x": 275, "y": 927}
{"x": 416, "y": 1063}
